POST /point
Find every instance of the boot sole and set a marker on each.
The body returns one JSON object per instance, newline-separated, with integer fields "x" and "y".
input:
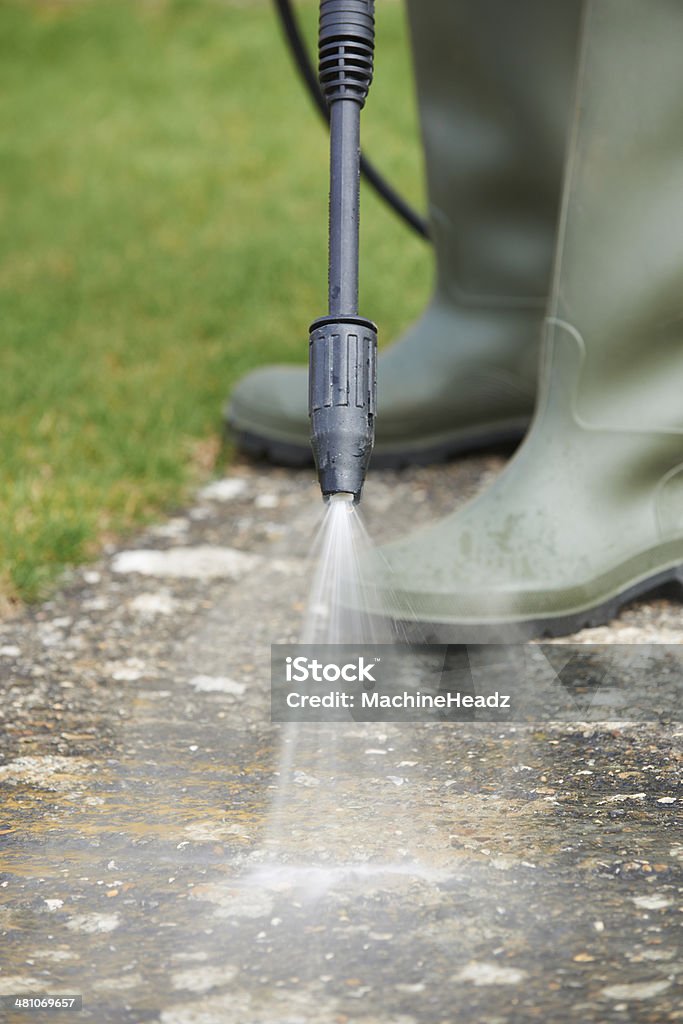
{"x": 544, "y": 628}
{"x": 296, "y": 456}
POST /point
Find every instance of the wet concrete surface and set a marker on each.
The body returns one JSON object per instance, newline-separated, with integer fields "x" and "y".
{"x": 170, "y": 855}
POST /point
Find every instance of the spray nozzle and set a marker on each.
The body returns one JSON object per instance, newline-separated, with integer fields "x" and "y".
{"x": 342, "y": 402}
{"x": 343, "y": 345}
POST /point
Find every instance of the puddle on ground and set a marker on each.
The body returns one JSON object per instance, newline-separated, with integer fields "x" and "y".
{"x": 310, "y": 882}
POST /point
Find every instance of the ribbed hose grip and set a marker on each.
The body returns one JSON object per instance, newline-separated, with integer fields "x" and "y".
{"x": 346, "y": 43}
{"x": 341, "y": 401}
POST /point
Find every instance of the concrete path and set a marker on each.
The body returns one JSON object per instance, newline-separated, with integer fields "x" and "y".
{"x": 169, "y": 855}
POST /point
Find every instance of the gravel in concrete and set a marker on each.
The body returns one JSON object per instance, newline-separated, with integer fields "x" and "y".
{"x": 171, "y": 855}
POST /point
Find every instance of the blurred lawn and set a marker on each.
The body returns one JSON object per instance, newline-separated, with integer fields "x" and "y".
{"x": 163, "y": 191}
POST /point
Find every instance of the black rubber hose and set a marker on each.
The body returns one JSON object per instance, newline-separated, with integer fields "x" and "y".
{"x": 307, "y": 71}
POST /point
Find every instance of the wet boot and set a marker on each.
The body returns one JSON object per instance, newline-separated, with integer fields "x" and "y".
{"x": 589, "y": 513}
{"x": 494, "y": 83}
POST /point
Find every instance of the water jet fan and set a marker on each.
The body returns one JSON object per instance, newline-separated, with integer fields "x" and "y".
{"x": 343, "y": 345}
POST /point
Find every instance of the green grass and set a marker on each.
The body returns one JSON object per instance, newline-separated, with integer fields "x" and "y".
{"x": 163, "y": 207}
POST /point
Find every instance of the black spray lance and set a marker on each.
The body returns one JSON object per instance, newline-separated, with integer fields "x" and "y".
{"x": 343, "y": 345}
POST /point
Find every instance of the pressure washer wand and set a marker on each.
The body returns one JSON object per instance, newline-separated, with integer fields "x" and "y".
{"x": 343, "y": 345}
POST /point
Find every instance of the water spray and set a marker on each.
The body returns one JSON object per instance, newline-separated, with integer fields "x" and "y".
{"x": 343, "y": 345}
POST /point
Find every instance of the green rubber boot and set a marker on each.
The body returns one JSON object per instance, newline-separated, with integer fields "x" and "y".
{"x": 589, "y": 513}
{"x": 494, "y": 88}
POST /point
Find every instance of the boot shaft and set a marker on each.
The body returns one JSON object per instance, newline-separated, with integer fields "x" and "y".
{"x": 617, "y": 297}
{"x": 494, "y": 84}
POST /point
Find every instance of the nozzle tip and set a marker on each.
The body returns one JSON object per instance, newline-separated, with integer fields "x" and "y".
{"x": 344, "y": 497}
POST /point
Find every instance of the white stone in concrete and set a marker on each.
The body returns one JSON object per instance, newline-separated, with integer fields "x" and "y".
{"x": 490, "y": 974}
{"x": 218, "y": 684}
{"x": 151, "y": 604}
{"x": 637, "y": 990}
{"x": 123, "y": 981}
{"x": 202, "y": 979}
{"x": 16, "y": 983}
{"x": 228, "y": 489}
{"x": 173, "y": 529}
{"x": 652, "y": 902}
{"x": 46, "y": 772}
{"x": 127, "y": 671}
{"x": 266, "y": 501}
{"x": 199, "y": 563}
{"x": 93, "y": 923}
